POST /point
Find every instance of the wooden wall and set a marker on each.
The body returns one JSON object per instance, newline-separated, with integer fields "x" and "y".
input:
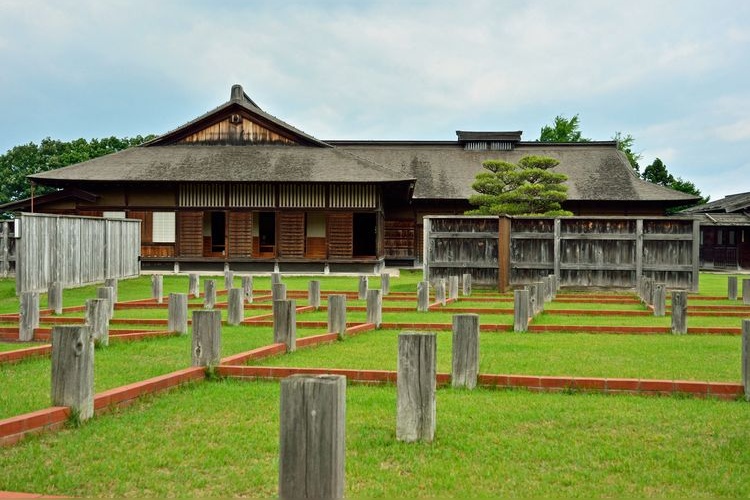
{"x": 398, "y": 239}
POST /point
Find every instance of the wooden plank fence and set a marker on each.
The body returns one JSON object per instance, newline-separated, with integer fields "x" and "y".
{"x": 74, "y": 250}
{"x": 581, "y": 251}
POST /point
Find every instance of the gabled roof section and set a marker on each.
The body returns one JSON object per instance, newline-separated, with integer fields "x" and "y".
{"x": 238, "y": 121}
{"x": 55, "y": 196}
{"x": 733, "y": 203}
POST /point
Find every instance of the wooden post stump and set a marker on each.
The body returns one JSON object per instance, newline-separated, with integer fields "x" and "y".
{"x": 206, "y": 345}
{"x": 679, "y": 311}
{"x": 106, "y": 292}
{"x": 228, "y": 280}
{"x": 440, "y": 291}
{"x": 114, "y": 283}
{"x": 374, "y": 307}
{"x": 385, "y": 283}
{"x": 235, "y": 307}
{"x": 746, "y": 292}
{"x": 209, "y": 294}
{"x": 520, "y": 310}
{"x": 337, "y": 315}
{"x": 453, "y": 287}
{"x": 247, "y": 288}
{"x": 157, "y": 288}
{"x": 28, "y": 315}
{"x": 73, "y": 369}
{"x": 553, "y": 286}
{"x": 362, "y": 287}
{"x": 313, "y": 294}
{"x": 746, "y": 357}
{"x": 312, "y": 437}
{"x": 415, "y": 384}
{"x": 732, "y": 287}
{"x": 660, "y": 299}
{"x": 55, "y": 297}
{"x": 466, "y": 284}
{"x": 97, "y": 319}
{"x": 177, "y": 311}
{"x": 278, "y": 291}
{"x": 193, "y": 285}
{"x": 539, "y": 302}
{"x": 465, "y": 362}
{"x": 649, "y": 296}
{"x": 423, "y": 296}
{"x": 275, "y": 278}
{"x": 285, "y": 323}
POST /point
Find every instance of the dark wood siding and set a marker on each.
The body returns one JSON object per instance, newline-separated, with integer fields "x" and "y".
{"x": 291, "y": 234}
{"x": 147, "y": 223}
{"x": 339, "y": 229}
{"x": 240, "y": 236}
{"x": 399, "y": 239}
{"x": 190, "y": 234}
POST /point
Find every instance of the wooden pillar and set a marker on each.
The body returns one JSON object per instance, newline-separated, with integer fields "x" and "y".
{"x": 275, "y": 278}
{"x": 235, "y": 307}
{"x": 209, "y": 294}
{"x": 107, "y": 293}
{"x": 97, "y": 319}
{"x": 416, "y": 382}
{"x": 362, "y": 288}
{"x": 206, "y": 346}
{"x": 312, "y": 437}
{"x": 177, "y": 314}
{"x": 520, "y": 310}
{"x": 423, "y": 296}
{"x": 453, "y": 287}
{"x": 4, "y": 254}
{"x": 228, "y": 279}
{"x": 746, "y": 357}
{"x": 375, "y": 307}
{"x": 278, "y": 291}
{"x": 28, "y": 315}
{"x": 385, "y": 283}
{"x": 313, "y": 294}
{"x": 467, "y": 284}
{"x": 440, "y": 291}
{"x": 247, "y": 288}
{"x": 193, "y": 285}
{"x": 55, "y": 297}
{"x": 337, "y": 315}
{"x": 732, "y": 287}
{"x": 465, "y": 362}
{"x": 679, "y": 311}
{"x": 285, "y": 323}
{"x": 73, "y": 369}
{"x": 157, "y": 288}
{"x": 746, "y": 291}
{"x": 660, "y": 299}
{"x": 114, "y": 283}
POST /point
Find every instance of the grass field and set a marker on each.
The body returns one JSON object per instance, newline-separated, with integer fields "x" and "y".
{"x": 220, "y": 437}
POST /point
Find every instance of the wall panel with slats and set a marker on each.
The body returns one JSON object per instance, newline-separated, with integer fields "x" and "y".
{"x": 340, "y": 237}
{"x": 291, "y": 238}
{"x": 191, "y": 234}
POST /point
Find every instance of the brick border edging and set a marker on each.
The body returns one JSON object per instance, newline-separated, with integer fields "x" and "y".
{"x": 721, "y": 390}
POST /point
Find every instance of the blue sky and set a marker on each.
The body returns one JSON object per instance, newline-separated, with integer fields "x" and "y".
{"x": 674, "y": 74}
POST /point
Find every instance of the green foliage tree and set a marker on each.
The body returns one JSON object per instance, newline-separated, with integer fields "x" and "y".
{"x": 50, "y": 154}
{"x": 525, "y": 188}
{"x": 625, "y": 144}
{"x": 657, "y": 173}
{"x": 563, "y": 130}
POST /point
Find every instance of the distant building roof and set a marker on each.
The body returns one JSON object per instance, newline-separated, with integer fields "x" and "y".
{"x": 733, "y": 203}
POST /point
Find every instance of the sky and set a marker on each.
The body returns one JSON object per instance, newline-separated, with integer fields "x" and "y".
{"x": 673, "y": 74}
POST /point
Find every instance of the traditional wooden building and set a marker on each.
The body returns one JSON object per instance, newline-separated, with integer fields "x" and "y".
{"x": 724, "y": 232}
{"x": 239, "y": 188}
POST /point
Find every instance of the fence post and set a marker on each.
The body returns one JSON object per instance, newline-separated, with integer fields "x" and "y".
{"x": 531, "y": 288}
{"x": 106, "y": 293}
{"x": 178, "y": 313}
{"x": 385, "y": 283}
{"x": 209, "y": 294}
{"x": 193, "y": 285}
{"x": 275, "y": 278}
{"x": 660, "y": 299}
{"x": 375, "y": 307}
{"x": 466, "y": 284}
{"x": 313, "y": 294}
{"x": 732, "y": 287}
{"x": 157, "y": 287}
{"x": 746, "y": 291}
{"x": 112, "y": 282}
{"x": 73, "y": 369}
{"x": 440, "y": 291}
{"x": 206, "y": 338}
{"x": 423, "y": 296}
{"x": 97, "y": 319}
{"x": 247, "y": 288}
{"x": 746, "y": 357}
{"x": 465, "y": 361}
{"x": 649, "y": 291}
{"x": 278, "y": 291}
{"x": 415, "y": 384}
{"x": 362, "y": 287}
{"x": 4, "y": 253}
{"x": 540, "y": 293}
{"x": 337, "y": 315}
{"x": 679, "y": 311}
{"x": 285, "y": 323}
{"x": 453, "y": 287}
{"x": 28, "y": 315}
{"x": 312, "y": 440}
{"x": 235, "y": 307}
{"x": 55, "y": 297}
{"x": 228, "y": 279}
{"x": 520, "y": 310}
